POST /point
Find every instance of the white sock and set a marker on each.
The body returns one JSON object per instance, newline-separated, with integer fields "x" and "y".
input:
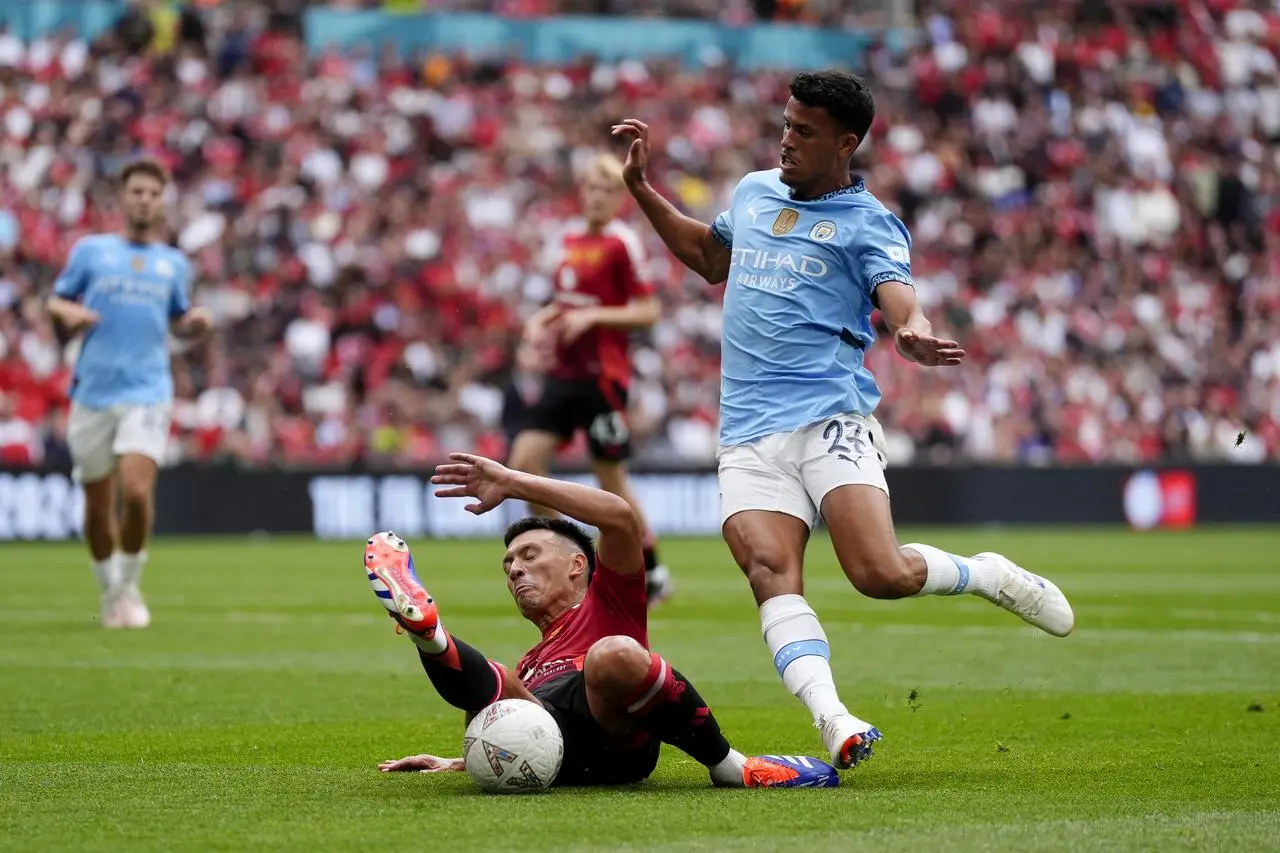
{"x": 131, "y": 570}
{"x": 108, "y": 572}
{"x": 950, "y": 574}
{"x": 728, "y": 773}
{"x": 437, "y": 645}
{"x": 801, "y": 653}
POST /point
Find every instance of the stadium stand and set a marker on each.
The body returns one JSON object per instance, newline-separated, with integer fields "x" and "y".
{"x": 1094, "y": 193}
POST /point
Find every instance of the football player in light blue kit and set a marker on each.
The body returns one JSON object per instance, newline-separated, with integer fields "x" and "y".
{"x": 125, "y": 291}
{"x": 808, "y": 253}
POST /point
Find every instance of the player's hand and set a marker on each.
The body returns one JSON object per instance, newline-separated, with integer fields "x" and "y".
{"x": 638, "y": 155}
{"x": 575, "y": 324}
{"x": 76, "y": 317}
{"x": 422, "y": 764}
{"x": 926, "y": 349}
{"x": 471, "y": 476}
{"x": 197, "y": 321}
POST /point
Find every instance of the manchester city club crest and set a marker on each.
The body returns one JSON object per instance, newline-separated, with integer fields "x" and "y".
{"x": 138, "y": 264}
{"x": 786, "y": 220}
{"x": 823, "y": 231}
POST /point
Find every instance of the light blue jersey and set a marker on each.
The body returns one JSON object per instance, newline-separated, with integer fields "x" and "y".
{"x": 137, "y": 289}
{"x": 797, "y": 309}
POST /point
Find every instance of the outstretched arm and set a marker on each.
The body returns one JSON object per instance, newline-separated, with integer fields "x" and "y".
{"x": 912, "y": 331}
{"x": 422, "y": 764}
{"x": 688, "y": 239}
{"x": 490, "y": 483}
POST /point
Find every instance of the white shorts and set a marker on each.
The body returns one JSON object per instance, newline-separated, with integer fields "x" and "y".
{"x": 97, "y": 437}
{"x": 792, "y": 472}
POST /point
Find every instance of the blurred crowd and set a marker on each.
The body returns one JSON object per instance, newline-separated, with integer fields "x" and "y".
{"x": 826, "y": 13}
{"x": 1093, "y": 190}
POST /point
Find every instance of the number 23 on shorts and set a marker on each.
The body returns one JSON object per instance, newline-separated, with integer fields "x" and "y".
{"x": 851, "y": 440}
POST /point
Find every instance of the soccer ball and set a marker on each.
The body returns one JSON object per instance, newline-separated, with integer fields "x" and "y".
{"x": 512, "y": 747}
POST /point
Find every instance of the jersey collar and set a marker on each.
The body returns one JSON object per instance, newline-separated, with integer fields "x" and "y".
{"x": 857, "y": 186}
{"x": 557, "y": 624}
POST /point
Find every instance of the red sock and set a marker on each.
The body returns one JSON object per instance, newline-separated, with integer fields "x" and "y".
{"x": 669, "y": 706}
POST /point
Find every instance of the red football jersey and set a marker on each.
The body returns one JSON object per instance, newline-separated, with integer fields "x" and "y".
{"x": 598, "y": 270}
{"x": 614, "y": 604}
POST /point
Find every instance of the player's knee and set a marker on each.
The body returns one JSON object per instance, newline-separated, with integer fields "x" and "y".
{"x": 135, "y": 492}
{"x": 768, "y": 567}
{"x": 616, "y": 663}
{"x": 888, "y": 577}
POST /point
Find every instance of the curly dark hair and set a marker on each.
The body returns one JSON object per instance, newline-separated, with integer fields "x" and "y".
{"x": 844, "y": 96}
{"x": 563, "y": 528}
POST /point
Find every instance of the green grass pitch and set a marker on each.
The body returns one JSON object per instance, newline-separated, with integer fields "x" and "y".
{"x": 251, "y": 714}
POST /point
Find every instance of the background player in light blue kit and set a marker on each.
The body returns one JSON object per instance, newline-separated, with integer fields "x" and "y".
{"x": 808, "y": 254}
{"x": 125, "y": 291}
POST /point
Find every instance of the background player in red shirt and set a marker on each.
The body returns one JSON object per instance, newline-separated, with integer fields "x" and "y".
{"x": 614, "y": 700}
{"x": 580, "y": 344}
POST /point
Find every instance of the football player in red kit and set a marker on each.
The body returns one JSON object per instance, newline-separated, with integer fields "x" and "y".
{"x": 614, "y": 700}
{"x": 579, "y": 343}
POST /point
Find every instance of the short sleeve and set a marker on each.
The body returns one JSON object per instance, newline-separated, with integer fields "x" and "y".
{"x": 883, "y": 251}
{"x": 180, "y": 303}
{"x": 722, "y": 228}
{"x": 621, "y": 599}
{"x": 74, "y": 278}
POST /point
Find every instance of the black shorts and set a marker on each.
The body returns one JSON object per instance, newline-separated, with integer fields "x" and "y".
{"x": 599, "y": 407}
{"x": 591, "y": 756}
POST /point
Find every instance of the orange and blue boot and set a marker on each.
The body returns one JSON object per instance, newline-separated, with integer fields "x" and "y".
{"x": 788, "y": 771}
{"x": 390, "y": 569}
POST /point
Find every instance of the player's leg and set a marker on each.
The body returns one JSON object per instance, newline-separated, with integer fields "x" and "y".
{"x": 865, "y": 543}
{"x": 604, "y": 416}
{"x": 137, "y": 475}
{"x": 90, "y": 434}
{"x": 767, "y": 516}
{"x": 462, "y": 676}
{"x": 769, "y": 547}
{"x": 139, "y": 446}
{"x": 632, "y": 691}
{"x": 545, "y": 424}
{"x": 845, "y": 474}
{"x": 101, "y": 534}
{"x": 531, "y": 453}
{"x": 100, "y": 530}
